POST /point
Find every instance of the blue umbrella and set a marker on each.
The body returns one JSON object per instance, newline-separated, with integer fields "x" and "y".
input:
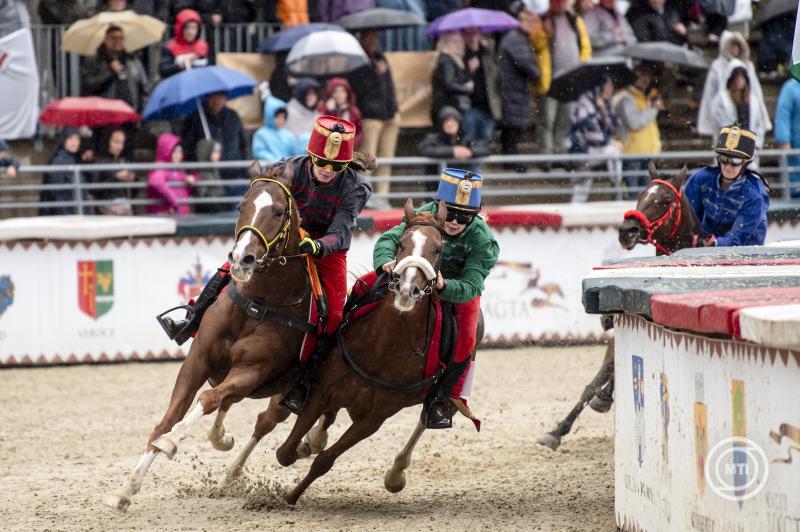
{"x": 179, "y": 95}
{"x": 285, "y": 39}
{"x": 486, "y": 20}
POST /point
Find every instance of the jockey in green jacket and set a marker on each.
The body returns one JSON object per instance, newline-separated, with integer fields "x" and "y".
{"x": 470, "y": 252}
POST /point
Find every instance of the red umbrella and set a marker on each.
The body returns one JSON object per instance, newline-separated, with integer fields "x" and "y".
{"x": 88, "y": 111}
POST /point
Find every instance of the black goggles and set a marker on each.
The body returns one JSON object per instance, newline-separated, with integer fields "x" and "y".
{"x": 462, "y": 218}
{"x": 335, "y": 166}
{"x": 730, "y": 161}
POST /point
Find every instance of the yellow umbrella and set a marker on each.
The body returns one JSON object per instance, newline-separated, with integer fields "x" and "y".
{"x": 84, "y": 36}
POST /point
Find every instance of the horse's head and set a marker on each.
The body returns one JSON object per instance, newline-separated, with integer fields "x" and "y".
{"x": 419, "y": 254}
{"x": 266, "y": 213}
{"x": 658, "y": 212}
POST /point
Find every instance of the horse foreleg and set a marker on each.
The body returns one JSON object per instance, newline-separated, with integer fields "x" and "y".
{"x": 553, "y": 438}
{"x": 287, "y": 453}
{"x": 359, "y": 430}
{"x": 234, "y": 388}
{"x": 192, "y": 375}
{"x": 266, "y": 422}
{"x": 395, "y": 478}
{"x": 317, "y": 438}
{"x": 219, "y": 438}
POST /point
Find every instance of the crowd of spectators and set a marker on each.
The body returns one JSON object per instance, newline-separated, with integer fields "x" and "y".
{"x": 481, "y": 84}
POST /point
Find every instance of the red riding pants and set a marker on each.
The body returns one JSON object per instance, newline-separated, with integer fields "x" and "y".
{"x": 467, "y": 315}
{"x": 332, "y": 271}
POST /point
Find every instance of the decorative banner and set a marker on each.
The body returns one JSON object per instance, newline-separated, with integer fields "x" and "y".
{"x": 95, "y": 287}
{"x": 733, "y": 406}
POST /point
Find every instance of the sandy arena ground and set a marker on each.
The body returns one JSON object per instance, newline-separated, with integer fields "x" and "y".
{"x": 71, "y": 435}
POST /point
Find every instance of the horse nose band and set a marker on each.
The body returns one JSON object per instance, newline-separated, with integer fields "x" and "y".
{"x": 648, "y": 228}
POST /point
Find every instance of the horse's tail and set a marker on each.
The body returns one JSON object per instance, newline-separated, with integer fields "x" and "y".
{"x": 363, "y": 162}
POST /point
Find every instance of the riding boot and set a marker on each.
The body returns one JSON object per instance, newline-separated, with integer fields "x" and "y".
{"x": 182, "y": 330}
{"x": 297, "y": 396}
{"x": 437, "y": 411}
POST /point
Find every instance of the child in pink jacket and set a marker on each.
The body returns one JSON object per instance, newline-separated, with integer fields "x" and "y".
{"x": 168, "y": 149}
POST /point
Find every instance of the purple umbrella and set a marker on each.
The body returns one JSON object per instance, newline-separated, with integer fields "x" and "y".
{"x": 486, "y": 20}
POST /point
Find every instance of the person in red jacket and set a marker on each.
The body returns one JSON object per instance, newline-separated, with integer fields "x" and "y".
{"x": 186, "y": 49}
{"x": 339, "y": 100}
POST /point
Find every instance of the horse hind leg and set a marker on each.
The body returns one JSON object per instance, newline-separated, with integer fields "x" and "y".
{"x": 395, "y": 479}
{"x": 266, "y": 422}
{"x": 317, "y": 438}
{"x": 359, "y": 430}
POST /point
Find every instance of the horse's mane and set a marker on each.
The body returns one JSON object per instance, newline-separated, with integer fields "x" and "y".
{"x": 426, "y": 217}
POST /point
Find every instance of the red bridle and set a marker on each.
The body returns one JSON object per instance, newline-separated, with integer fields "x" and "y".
{"x": 651, "y": 227}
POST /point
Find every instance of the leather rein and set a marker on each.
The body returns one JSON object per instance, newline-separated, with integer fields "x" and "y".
{"x": 651, "y": 227}
{"x": 282, "y": 238}
{"x": 394, "y": 277}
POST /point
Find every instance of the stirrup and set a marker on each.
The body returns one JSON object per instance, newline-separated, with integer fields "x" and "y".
{"x": 296, "y": 398}
{"x": 168, "y": 324}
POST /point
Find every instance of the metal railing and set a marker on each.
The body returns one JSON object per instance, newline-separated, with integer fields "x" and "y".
{"x": 60, "y": 71}
{"x": 548, "y": 178}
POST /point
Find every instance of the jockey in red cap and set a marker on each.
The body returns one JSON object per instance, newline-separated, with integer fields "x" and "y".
{"x": 330, "y": 193}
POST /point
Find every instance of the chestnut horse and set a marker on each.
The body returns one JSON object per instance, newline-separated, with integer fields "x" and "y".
{"x": 662, "y": 217}
{"x": 242, "y": 353}
{"x": 385, "y": 372}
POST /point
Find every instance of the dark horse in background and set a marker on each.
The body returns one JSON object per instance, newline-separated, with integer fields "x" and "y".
{"x": 238, "y": 351}
{"x": 378, "y": 366}
{"x": 664, "y": 218}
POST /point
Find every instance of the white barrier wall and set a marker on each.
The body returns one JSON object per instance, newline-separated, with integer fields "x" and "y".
{"x": 679, "y": 400}
{"x": 51, "y": 312}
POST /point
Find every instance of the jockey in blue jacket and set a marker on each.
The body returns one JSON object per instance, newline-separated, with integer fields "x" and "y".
{"x": 730, "y": 200}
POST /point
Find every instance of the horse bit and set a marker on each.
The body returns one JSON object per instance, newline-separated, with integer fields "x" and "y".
{"x": 431, "y": 272}
{"x": 283, "y": 235}
{"x": 651, "y": 227}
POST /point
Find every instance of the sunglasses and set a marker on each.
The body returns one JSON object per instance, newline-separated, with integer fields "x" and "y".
{"x": 461, "y": 218}
{"x": 730, "y": 161}
{"x": 335, "y": 166}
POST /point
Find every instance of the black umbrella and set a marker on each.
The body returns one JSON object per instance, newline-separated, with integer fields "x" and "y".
{"x": 774, "y": 9}
{"x": 571, "y": 84}
{"x": 379, "y": 17}
{"x": 665, "y": 52}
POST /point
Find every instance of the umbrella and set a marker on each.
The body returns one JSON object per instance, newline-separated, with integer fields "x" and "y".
{"x": 665, "y": 52}
{"x": 774, "y": 9}
{"x": 379, "y": 17}
{"x": 285, "y": 39}
{"x": 325, "y": 53}
{"x": 88, "y": 111}
{"x": 180, "y": 94}
{"x": 486, "y": 20}
{"x": 84, "y": 36}
{"x": 570, "y": 85}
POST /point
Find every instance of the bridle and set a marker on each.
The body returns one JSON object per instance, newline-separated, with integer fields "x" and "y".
{"x": 650, "y": 227}
{"x": 281, "y": 238}
{"x": 430, "y": 271}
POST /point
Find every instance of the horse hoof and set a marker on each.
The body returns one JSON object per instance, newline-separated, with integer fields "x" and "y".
{"x": 549, "y": 440}
{"x": 223, "y": 444}
{"x": 118, "y": 502}
{"x": 394, "y": 483}
{"x": 601, "y": 405}
{"x": 303, "y": 450}
{"x": 166, "y": 446}
{"x": 291, "y": 500}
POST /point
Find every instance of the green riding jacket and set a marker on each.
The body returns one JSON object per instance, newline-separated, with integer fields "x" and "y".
{"x": 467, "y": 259}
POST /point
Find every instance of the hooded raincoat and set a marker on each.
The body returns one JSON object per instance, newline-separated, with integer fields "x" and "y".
{"x": 271, "y": 143}
{"x": 172, "y": 52}
{"x": 158, "y": 180}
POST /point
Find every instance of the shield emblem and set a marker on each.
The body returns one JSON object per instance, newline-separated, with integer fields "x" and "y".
{"x": 6, "y": 292}
{"x": 95, "y": 287}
